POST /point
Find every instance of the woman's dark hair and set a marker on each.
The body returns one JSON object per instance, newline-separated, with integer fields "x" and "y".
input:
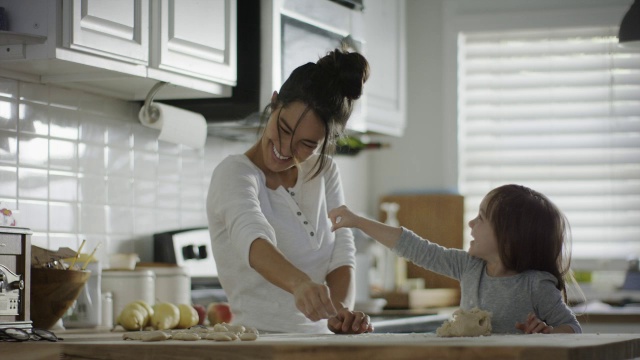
{"x": 531, "y": 231}
{"x": 329, "y": 88}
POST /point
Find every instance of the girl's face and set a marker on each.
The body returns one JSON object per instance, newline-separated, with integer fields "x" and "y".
{"x": 484, "y": 244}
{"x": 281, "y": 147}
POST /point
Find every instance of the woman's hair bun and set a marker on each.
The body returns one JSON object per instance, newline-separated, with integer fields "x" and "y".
{"x": 350, "y": 70}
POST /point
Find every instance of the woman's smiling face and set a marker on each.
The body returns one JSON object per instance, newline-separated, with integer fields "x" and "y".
{"x": 292, "y": 135}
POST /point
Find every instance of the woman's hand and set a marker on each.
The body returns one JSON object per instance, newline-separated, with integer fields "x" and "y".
{"x": 342, "y": 217}
{"x": 314, "y": 300}
{"x": 533, "y": 325}
{"x": 350, "y": 322}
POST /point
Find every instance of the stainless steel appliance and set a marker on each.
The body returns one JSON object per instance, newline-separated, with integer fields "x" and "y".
{"x": 191, "y": 249}
{"x": 15, "y": 277}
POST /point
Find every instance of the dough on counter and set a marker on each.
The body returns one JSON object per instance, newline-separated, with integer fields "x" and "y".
{"x": 474, "y": 322}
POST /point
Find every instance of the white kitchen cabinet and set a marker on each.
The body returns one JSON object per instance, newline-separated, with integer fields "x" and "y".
{"x": 115, "y": 29}
{"x": 386, "y": 52}
{"x": 195, "y": 38}
{"x": 121, "y": 48}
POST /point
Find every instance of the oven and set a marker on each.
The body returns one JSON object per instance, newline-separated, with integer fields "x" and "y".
{"x": 191, "y": 249}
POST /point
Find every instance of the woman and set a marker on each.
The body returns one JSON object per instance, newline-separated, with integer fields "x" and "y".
{"x": 280, "y": 265}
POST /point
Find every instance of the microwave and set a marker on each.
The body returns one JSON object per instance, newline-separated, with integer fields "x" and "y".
{"x": 299, "y": 31}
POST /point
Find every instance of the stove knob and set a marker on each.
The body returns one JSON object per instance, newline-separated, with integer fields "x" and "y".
{"x": 202, "y": 252}
{"x": 189, "y": 252}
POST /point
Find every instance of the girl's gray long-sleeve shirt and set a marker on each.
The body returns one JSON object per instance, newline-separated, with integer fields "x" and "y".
{"x": 510, "y": 299}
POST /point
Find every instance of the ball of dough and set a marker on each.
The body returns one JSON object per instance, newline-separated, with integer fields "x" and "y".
{"x": 474, "y": 322}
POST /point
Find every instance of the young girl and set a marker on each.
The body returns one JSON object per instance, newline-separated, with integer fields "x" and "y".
{"x": 514, "y": 267}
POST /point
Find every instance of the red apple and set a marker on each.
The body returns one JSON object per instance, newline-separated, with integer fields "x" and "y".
{"x": 219, "y": 312}
{"x": 202, "y": 313}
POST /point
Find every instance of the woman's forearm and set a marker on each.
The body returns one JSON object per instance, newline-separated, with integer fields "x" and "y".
{"x": 341, "y": 282}
{"x": 269, "y": 262}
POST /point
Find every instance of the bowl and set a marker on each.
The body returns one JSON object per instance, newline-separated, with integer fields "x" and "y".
{"x": 53, "y": 291}
{"x": 123, "y": 261}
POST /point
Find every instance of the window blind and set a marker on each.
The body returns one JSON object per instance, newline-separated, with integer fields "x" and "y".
{"x": 558, "y": 111}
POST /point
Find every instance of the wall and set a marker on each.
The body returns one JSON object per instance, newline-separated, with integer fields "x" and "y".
{"x": 79, "y": 166}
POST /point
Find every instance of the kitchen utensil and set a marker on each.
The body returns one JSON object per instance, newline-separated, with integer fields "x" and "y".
{"x": 91, "y": 256}
{"x": 75, "y": 258}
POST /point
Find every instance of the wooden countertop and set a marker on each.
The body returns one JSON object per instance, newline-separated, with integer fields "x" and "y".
{"x": 366, "y": 346}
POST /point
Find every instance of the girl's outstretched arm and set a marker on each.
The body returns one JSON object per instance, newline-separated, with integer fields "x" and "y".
{"x": 342, "y": 217}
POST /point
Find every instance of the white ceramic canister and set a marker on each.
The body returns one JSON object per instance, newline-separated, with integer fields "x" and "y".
{"x": 87, "y": 310}
{"x": 127, "y": 286}
{"x": 173, "y": 285}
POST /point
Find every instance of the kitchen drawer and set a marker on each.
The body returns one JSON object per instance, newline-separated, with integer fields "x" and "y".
{"x": 10, "y": 244}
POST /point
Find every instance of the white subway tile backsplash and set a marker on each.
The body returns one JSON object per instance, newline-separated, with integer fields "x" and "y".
{"x": 63, "y": 186}
{"x": 170, "y": 195}
{"x": 8, "y": 148}
{"x": 119, "y": 220}
{"x": 33, "y": 151}
{"x": 75, "y": 166}
{"x": 169, "y": 168}
{"x": 92, "y": 189}
{"x": 8, "y": 88}
{"x": 35, "y": 93}
{"x": 144, "y": 193}
{"x": 63, "y": 217}
{"x": 144, "y": 138}
{"x": 33, "y": 184}
{"x": 63, "y": 98}
{"x": 8, "y": 182}
{"x": 145, "y": 165}
{"x": 144, "y": 221}
{"x": 8, "y": 114}
{"x": 119, "y": 162}
{"x": 34, "y": 215}
{"x": 33, "y": 118}
{"x": 92, "y": 128}
{"x": 119, "y": 134}
{"x": 63, "y": 155}
{"x": 91, "y": 159}
{"x": 119, "y": 191}
{"x": 93, "y": 219}
{"x": 63, "y": 124}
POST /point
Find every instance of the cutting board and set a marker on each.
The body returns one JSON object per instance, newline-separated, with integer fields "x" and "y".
{"x": 365, "y": 346}
{"x": 436, "y": 217}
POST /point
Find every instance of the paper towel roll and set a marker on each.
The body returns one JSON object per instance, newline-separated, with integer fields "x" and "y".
{"x": 176, "y": 125}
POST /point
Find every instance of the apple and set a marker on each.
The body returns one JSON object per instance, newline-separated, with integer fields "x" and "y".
{"x": 202, "y": 313}
{"x": 188, "y": 316}
{"x": 165, "y": 316}
{"x": 219, "y": 312}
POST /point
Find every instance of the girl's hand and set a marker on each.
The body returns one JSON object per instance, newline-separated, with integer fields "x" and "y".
{"x": 350, "y": 322}
{"x": 533, "y": 325}
{"x": 342, "y": 217}
{"x": 314, "y": 300}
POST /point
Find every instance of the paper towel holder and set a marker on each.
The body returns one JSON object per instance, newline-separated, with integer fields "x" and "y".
{"x": 152, "y": 113}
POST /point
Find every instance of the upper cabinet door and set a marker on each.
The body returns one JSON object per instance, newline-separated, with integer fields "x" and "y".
{"x": 116, "y": 28}
{"x": 195, "y": 38}
{"x": 386, "y": 53}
